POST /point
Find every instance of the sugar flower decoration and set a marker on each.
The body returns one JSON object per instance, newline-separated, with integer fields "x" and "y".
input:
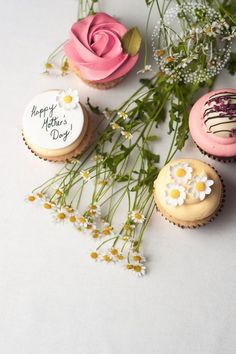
{"x": 200, "y": 187}
{"x": 68, "y": 99}
{"x": 181, "y": 172}
{"x": 175, "y": 194}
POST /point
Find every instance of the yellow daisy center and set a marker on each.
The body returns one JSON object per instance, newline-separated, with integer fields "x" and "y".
{"x": 129, "y": 266}
{"x": 31, "y": 198}
{"x": 47, "y": 206}
{"x": 82, "y": 220}
{"x": 175, "y": 193}
{"x": 69, "y": 209}
{"x": 106, "y": 258}
{"x": 180, "y": 172}
{"x": 72, "y": 218}
{"x": 137, "y": 268}
{"x": 138, "y": 216}
{"x": 200, "y": 186}
{"x": 39, "y": 195}
{"x": 114, "y": 252}
{"x": 67, "y": 99}
{"x": 61, "y": 216}
{"x": 120, "y": 257}
{"x": 94, "y": 255}
{"x": 95, "y": 234}
{"x": 107, "y": 230}
{"x": 137, "y": 258}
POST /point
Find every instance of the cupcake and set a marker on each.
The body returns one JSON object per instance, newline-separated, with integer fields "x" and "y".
{"x": 188, "y": 193}
{"x": 56, "y": 126}
{"x": 212, "y": 124}
{"x": 96, "y": 53}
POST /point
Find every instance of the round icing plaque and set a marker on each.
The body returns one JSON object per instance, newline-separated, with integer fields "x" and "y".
{"x": 54, "y": 119}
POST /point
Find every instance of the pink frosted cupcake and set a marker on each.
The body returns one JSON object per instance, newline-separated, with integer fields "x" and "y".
{"x": 95, "y": 51}
{"x": 212, "y": 124}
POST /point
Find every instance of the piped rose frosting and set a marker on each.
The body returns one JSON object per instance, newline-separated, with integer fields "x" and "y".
{"x": 95, "y": 48}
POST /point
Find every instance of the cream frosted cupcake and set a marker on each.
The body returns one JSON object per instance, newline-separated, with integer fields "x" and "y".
{"x": 188, "y": 193}
{"x": 96, "y": 52}
{"x": 212, "y": 124}
{"x": 56, "y": 126}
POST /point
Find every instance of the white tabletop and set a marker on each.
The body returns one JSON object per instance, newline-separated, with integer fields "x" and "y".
{"x": 53, "y": 299}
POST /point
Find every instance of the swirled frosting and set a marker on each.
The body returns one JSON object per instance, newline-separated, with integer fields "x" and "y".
{"x": 95, "y": 48}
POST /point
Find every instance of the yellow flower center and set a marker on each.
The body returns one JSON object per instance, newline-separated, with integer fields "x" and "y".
{"x": 106, "y": 258}
{"x": 137, "y": 268}
{"x": 47, "y": 206}
{"x": 61, "y": 216}
{"x": 129, "y": 266}
{"x": 72, "y": 218}
{"x": 138, "y": 216}
{"x": 58, "y": 192}
{"x": 200, "y": 186}
{"x": 82, "y": 220}
{"x": 48, "y": 65}
{"x": 39, "y": 195}
{"x": 175, "y": 193}
{"x": 120, "y": 257}
{"x": 31, "y": 198}
{"x": 180, "y": 172}
{"x": 94, "y": 255}
{"x": 137, "y": 258}
{"x": 69, "y": 209}
{"x": 107, "y": 231}
{"x": 89, "y": 226}
{"x": 68, "y": 99}
{"x": 114, "y": 252}
{"x": 95, "y": 234}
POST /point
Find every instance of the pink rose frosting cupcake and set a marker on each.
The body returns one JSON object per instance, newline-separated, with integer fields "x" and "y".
{"x": 95, "y": 51}
{"x": 212, "y": 124}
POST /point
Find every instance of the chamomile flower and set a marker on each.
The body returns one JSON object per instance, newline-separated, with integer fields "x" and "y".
{"x": 95, "y": 233}
{"x": 94, "y": 210}
{"x": 126, "y": 134}
{"x": 145, "y": 69}
{"x": 175, "y": 194}
{"x": 200, "y": 187}
{"x": 82, "y": 221}
{"x": 68, "y": 99}
{"x": 107, "y": 230}
{"x": 94, "y": 255}
{"x": 30, "y": 198}
{"x": 137, "y": 217}
{"x": 114, "y": 126}
{"x": 122, "y": 115}
{"x": 138, "y": 258}
{"x": 139, "y": 269}
{"x": 59, "y": 215}
{"x": 85, "y": 174}
{"x": 181, "y": 172}
{"x": 106, "y": 258}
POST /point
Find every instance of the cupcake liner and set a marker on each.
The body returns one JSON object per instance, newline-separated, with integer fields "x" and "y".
{"x": 98, "y": 85}
{"x": 83, "y": 145}
{"x": 200, "y": 223}
{"x": 217, "y": 158}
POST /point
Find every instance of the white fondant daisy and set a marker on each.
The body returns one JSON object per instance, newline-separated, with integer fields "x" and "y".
{"x": 181, "y": 172}
{"x": 200, "y": 187}
{"x": 175, "y": 194}
{"x": 68, "y": 99}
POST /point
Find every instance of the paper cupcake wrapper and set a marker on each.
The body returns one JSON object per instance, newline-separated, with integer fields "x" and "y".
{"x": 200, "y": 223}
{"x": 217, "y": 158}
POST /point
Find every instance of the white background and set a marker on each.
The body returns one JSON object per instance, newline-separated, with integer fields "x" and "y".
{"x": 53, "y": 299}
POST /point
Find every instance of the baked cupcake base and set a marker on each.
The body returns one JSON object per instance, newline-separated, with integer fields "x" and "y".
{"x": 98, "y": 85}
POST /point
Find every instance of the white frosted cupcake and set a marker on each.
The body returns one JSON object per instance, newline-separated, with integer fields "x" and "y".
{"x": 56, "y": 127}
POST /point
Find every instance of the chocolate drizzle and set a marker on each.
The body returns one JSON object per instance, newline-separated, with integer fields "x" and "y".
{"x": 220, "y": 114}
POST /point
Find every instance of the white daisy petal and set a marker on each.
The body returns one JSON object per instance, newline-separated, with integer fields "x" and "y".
{"x": 200, "y": 186}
